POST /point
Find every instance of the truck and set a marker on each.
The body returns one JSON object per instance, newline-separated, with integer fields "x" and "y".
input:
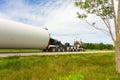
{"x": 16, "y": 35}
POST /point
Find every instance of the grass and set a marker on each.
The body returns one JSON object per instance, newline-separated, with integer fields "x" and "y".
{"x": 20, "y": 50}
{"x": 59, "y": 67}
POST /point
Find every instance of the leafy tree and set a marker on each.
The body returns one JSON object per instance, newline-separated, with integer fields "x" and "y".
{"x": 106, "y": 11}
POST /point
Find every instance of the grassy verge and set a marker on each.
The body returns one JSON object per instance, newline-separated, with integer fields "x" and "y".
{"x": 59, "y": 67}
{"x": 20, "y": 50}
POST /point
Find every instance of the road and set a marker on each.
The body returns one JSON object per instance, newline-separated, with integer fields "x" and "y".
{"x": 50, "y": 53}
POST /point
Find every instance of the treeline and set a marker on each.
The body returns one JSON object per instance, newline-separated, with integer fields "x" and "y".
{"x": 98, "y": 46}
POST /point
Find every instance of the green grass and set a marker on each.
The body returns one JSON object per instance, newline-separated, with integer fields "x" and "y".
{"x": 59, "y": 67}
{"x": 20, "y": 50}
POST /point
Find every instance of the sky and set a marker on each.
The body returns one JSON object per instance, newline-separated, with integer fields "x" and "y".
{"x": 58, "y": 16}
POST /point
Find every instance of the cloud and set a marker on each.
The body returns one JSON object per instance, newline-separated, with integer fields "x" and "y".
{"x": 59, "y": 16}
{"x": 3, "y": 16}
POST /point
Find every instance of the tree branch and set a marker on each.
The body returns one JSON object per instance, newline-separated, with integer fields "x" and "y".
{"x": 107, "y": 22}
{"x": 109, "y": 28}
{"x": 103, "y": 30}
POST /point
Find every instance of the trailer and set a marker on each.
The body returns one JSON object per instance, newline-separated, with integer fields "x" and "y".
{"x": 16, "y": 35}
{"x": 57, "y": 46}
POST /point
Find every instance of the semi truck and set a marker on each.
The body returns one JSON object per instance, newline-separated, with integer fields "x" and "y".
{"x": 16, "y": 35}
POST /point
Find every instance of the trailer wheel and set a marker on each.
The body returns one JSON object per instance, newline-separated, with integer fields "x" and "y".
{"x": 44, "y": 50}
{"x": 63, "y": 50}
{"x": 52, "y": 50}
{"x": 58, "y": 50}
{"x": 67, "y": 49}
{"x": 72, "y": 50}
{"x": 78, "y": 50}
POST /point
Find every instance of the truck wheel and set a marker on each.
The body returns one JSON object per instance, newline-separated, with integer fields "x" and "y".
{"x": 72, "y": 50}
{"x": 63, "y": 50}
{"x": 44, "y": 50}
{"x": 67, "y": 49}
{"x": 58, "y": 50}
{"x": 52, "y": 50}
{"x": 78, "y": 50}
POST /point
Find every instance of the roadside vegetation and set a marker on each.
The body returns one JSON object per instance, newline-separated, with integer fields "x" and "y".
{"x": 98, "y": 46}
{"x": 19, "y": 50}
{"x": 59, "y": 67}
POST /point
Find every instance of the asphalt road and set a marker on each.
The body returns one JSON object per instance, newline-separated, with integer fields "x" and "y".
{"x": 50, "y": 53}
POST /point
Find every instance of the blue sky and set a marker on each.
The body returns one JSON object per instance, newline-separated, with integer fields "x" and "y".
{"x": 59, "y": 16}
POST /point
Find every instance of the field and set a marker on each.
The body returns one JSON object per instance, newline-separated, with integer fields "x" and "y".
{"x": 59, "y": 67}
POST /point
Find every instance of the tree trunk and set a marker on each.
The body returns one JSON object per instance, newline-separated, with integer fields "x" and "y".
{"x": 117, "y": 57}
{"x": 117, "y": 42}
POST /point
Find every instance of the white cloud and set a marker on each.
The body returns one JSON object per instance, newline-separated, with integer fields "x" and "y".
{"x": 3, "y": 16}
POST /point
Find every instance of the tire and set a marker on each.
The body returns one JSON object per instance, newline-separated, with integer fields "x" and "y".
{"x": 62, "y": 50}
{"x": 44, "y": 50}
{"x": 58, "y": 50}
{"x": 75, "y": 50}
{"x": 72, "y": 50}
{"x": 52, "y": 50}
{"x": 67, "y": 49}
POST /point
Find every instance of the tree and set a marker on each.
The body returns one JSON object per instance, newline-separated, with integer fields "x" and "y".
{"x": 106, "y": 11}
